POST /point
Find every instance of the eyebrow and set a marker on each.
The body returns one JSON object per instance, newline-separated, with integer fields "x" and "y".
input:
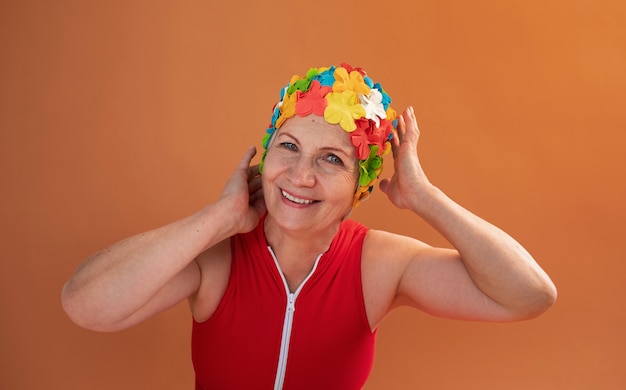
{"x": 340, "y": 149}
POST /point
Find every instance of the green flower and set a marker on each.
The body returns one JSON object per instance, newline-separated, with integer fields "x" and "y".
{"x": 302, "y": 84}
{"x": 370, "y": 168}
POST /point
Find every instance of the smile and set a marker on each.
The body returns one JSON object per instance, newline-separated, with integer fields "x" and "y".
{"x": 296, "y": 200}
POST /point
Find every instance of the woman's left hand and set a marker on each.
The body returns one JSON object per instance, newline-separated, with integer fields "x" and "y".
{"x": 488, "y": 276}
{"x": 408, "y": 178}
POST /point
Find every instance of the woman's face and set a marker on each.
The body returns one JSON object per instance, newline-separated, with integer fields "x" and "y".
{"x": 310, "y": 174}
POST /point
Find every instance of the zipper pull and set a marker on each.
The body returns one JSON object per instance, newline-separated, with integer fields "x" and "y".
{"x": 291, "y": 305}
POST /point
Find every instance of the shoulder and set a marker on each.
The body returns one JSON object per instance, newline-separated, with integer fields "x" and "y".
{"x": 385, "y": 255}
{"x": 351, "y": 227}
{"x": 349, "y": 238}
{"x": 386, "y": 247}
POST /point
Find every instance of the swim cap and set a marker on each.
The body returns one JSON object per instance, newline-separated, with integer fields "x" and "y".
{"x": 346, "y": 96}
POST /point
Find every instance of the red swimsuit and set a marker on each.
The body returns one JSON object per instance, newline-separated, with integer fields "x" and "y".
{"x": 262, "y": 336}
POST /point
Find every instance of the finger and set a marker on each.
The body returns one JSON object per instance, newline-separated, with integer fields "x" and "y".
{"x": 396, "y": 140}
{"x": 256, "y": 197}
{"x": 255, "y": 184}
{"x": 384, "y": 185}
{"x": 244, "y": 163}
{"x": 401, "y": 130}
{"x": 258, "y": 202}
{"x": 410, "y": 125}
{"x": 253, "y": 171}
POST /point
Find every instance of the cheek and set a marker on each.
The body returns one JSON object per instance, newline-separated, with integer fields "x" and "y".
{"x": 279, "y": 157}
{"x": 265, "y": 183}
{"x": 349, "y": 181}
{"x": 272, "y": 163}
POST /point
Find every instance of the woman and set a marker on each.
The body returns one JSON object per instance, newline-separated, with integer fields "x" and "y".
{"x": 284, "y": 289}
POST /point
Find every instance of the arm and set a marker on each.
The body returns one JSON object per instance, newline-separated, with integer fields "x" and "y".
{"x": 488, "y": 276}
{"x": 145, "y": 274}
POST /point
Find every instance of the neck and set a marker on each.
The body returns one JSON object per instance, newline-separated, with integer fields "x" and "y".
{"x": 304, "y": 245}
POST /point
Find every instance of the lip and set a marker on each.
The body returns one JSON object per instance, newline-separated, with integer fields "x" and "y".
{"x": 295, "y": 200}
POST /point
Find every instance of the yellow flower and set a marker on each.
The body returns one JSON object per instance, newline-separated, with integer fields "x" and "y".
{"x": 287, "y": 109}
{"x": 343, "y": 108}
{"x": 350, "y": 82}
{"x": 391, "y": 114}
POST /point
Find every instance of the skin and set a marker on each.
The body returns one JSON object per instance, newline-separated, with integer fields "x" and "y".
{"x": 488, "y": 276}
{"x": 309, "y": 179}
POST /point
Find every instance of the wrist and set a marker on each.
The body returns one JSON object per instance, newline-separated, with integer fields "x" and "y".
{"x": 215, "y": 223}
{"x": 426, "y": 199}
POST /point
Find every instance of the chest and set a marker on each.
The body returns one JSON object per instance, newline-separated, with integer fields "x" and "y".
{"x": 290, "y": 334}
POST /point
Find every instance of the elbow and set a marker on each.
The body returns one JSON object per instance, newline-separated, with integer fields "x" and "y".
{"x": 81, "y": 312}
{"x": 549, "y": 295}
{"x": 542, "y": 299}
{"x": 74, "y": 307}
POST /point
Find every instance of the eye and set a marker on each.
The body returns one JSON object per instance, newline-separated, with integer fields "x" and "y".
{"x": 289, "y": 146}
{"x": 333, "y": 159}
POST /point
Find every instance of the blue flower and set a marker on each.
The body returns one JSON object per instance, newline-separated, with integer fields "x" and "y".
{"x": 275, "y": 116}
{"x": 386, "y": 99}
{"x": 327, "y": 77}
{"x": 268, "y": 135}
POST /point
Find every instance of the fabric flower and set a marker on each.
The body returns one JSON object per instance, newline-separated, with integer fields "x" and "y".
{"x": 313, "y": 101}
{"x": 343, "y": 108}
{"x": 386, "y": 99}
{"x": 291, "y": 87}
{"x": 360, "y": 139}
{"x": 287, "y": 109}
{"x": 380, "y": 135}
{"x": 350, "y": 68}
{"x": 312, "y": 73}
{"x": 283, "y": 91}
{"x": 302, "y": 84}
{"x": 268, "y": 135}
{"x": 352, "y": 81}
{"x": 392, "y": 115}
{"x": 370, "y": 168}
{"x": 374, "y": 108}
{"x": 326, "y": 76}
{"x": 368, "y": 81}
{"x": 275, "y": 115}
{"x": 347, "y": 96}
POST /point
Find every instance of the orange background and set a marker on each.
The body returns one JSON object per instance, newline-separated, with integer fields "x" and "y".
{"x": 119, "y": 116}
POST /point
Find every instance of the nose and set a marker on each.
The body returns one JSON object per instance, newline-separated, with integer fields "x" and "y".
{"x": 302, "y": 172}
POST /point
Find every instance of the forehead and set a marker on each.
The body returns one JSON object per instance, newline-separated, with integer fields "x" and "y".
{"x": 315, "y": 128}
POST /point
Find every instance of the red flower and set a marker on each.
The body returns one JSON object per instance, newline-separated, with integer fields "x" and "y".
{"x": 313, "y": 100}
{"x": 366, "y": 134}
{"x": 350, "y": 68}
{"x": 361, "y": 138}
{"x": 380, "y": 135}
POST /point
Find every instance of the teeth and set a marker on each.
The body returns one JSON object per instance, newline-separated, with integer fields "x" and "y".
{"x": 296, "y": 200}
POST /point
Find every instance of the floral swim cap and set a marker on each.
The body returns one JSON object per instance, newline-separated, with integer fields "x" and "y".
{"x": 346, "y": 96}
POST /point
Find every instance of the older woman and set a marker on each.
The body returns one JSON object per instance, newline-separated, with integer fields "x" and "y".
{"x": 284, "y": 289}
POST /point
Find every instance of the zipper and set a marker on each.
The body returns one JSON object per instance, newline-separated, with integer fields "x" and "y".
{"x": 290, "y": 310}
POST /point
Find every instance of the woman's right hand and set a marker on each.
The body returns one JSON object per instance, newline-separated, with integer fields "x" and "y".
{"x": 149, "y": 272}
{"x": 243, "y": 194}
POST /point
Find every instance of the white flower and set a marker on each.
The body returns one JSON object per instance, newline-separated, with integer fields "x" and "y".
{"x": 373, "y": 104}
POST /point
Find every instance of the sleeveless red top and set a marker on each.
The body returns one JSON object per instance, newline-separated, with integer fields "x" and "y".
{"x": 262, "y": 336}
